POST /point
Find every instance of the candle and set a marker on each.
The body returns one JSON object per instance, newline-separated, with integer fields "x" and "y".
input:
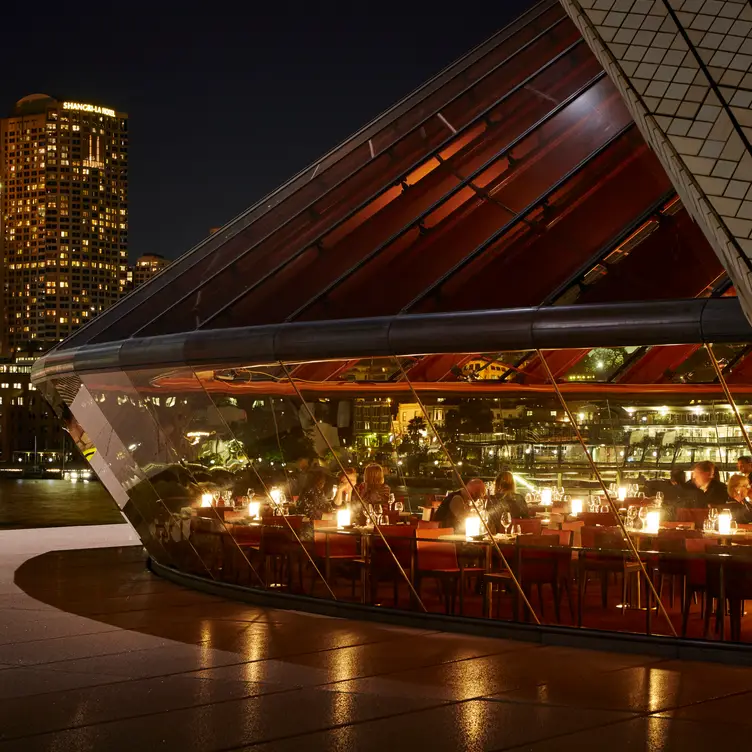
{"x": 343, "y": 517}
{"x": 576, "y": 506}
{"x": 547, "y": 497}
{"x": 254, "y": 509}
{"x": 276, "y": 495}
{"x": 652, "y": 521}
{"x": 206, "y": 499}
{"x": 622, "y": 493}
{"x": 472, "y": 525}
{"x": 724, "y": 522}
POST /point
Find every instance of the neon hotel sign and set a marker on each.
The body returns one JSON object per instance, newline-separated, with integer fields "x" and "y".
{"x": 88, "y": 108}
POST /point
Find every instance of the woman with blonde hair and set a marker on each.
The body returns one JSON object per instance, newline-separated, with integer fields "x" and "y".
{"x": 373, "y": 490}
{"x": 738, "y": 491}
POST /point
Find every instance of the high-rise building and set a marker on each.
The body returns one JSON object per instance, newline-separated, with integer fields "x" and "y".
{"x": 144, "y": 269}
{"x": 64, "y": 202}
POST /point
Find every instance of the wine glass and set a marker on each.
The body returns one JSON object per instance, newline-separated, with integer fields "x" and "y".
{"x": 517, "y": 530}
{"x": 506, "y": 521}
{"x": 713, "y": 517}
{"x": 643, "y": 516}
{"x": 399, "y": 505}
{"x": 631, "y": 515}
{"x": 659, "y": 499}
{"x": 379, "y": 512}
{"x": 734, "y": 527}
{"x": 391, "y": 501}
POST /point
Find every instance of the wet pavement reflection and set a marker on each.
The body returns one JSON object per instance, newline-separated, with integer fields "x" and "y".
{"x": 101, "y": 654}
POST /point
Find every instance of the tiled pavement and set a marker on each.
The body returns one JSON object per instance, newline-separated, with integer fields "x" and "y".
{"x": 98, "y": 654}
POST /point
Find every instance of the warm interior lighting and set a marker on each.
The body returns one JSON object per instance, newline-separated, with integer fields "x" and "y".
{"x": 622, "y": 493}
{"x": 653, "y": 521}
{"x": 276, "y": 495}
{"x": 254, "y": 510}
{"x": 472, "y": 525}
{"x": 724, "y": 522}
{"x": 206, "y": 499}
{"x": 547, "y": 497}
{"x": 343, "y": 517}
{"x": 576, "y": 506}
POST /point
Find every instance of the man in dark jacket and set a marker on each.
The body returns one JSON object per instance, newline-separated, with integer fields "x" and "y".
{"x": 708, "y": 491}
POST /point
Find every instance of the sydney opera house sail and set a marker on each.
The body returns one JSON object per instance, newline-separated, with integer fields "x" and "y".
{"x": 489, "y": 349}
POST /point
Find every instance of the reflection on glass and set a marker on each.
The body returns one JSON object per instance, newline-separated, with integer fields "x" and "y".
{"x": 434, "y": 482}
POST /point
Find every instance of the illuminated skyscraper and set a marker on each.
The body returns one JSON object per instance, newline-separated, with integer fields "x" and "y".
{"x": 144, "y": 269}
{"x": 64, "y": 176}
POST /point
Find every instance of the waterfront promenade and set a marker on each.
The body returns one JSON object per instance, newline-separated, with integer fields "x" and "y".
{"x": 96, "y": 653}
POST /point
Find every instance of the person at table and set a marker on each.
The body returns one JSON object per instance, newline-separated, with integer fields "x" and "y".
{"x": 347, "y": 482}
{"x": 316, "y": 498}
{"x": 373, "y": 490}
{"x": 456, "y": 505}
{"x": 505, "y": 499}
{"x": 706, "y": 489}
{"x": 738, "y": 502}
{"x": 744, "y": 466}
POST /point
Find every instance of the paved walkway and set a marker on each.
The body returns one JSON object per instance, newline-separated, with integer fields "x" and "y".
{"x": 98, "y": 654}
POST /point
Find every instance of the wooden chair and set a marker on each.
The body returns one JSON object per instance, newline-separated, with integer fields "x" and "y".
{"x": 401, "y": 540}
{"x": 336, "y": 553}
{"x": 438, "y": 560}
{"x": 593, "y": 519}
{"x": 530, "y": 526}
{"x": 606, "y": 555}
{"x": 696, "y": 579}
{"x": 698, "y": 516}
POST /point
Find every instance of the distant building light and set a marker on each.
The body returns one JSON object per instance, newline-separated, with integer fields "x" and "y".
{"x": 79, "y": 106}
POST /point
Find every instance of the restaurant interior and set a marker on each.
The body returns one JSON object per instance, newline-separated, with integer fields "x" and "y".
{"x": 478, "y": 361}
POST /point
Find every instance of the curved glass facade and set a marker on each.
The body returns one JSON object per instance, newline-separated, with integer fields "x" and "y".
{"x": 464, "y": 364}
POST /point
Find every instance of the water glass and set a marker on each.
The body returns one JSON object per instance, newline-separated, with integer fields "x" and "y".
{"x": 399, "y": 506}
{"x": 506, "y": 521}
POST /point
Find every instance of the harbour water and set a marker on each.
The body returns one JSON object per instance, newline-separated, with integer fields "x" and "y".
{"x": 54, "y": 503}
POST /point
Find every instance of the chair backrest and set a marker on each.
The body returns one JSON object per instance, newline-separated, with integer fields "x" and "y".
{"x": 597, "y": 518}
{"x": 698, "y": 516}
{"x": 340, "y": 544}
{"x": 427, "y": 525}
{"x": 564, "y": 536}
{"x": 245, "y": 533}
{"x": 535, "y": 561}
{"x": 400, "y": 538}
{"x": 435, "y": 554}
{"x": 529, "y": 526}
{"x": 699, "y": 545}
{"x": 576, "y": 528}
{"x": 602, "y": 537}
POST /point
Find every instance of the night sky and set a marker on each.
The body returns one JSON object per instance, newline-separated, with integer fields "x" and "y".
{"x": 225, "y": 107}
